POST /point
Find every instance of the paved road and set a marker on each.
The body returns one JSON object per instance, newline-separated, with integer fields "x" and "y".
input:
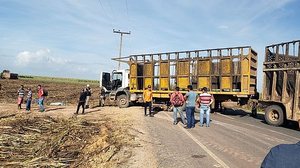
{"x": 233, "y": 140}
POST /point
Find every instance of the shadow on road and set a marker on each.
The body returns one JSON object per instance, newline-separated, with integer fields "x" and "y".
{"x": 231, "y": 112}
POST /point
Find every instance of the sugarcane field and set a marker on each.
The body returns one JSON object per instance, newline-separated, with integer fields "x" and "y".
{"x": 149, "y": 84}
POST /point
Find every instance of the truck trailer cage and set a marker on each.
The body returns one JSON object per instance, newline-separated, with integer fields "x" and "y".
{"x": 281, "y": 84}
{"x": 224, "y": 71}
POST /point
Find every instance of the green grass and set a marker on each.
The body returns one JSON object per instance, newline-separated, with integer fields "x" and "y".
{"x": 59, "y": 80}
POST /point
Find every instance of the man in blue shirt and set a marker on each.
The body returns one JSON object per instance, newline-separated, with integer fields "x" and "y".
{"x": 190, "y": 98}
{"x": 283, "y": 156}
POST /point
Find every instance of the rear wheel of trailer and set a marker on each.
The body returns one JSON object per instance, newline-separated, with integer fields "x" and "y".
{"x": 274, "y": 115}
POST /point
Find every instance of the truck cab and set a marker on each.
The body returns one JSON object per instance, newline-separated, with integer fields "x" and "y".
{"x": 114, "y": 88}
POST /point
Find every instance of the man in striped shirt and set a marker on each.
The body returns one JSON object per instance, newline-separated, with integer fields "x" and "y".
{"x": 204, "y": 101}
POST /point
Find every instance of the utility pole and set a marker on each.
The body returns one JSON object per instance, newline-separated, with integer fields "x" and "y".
{"x": 121, "y": 41}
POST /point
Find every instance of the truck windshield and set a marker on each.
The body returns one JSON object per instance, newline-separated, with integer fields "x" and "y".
{"x": 117, "y": 75}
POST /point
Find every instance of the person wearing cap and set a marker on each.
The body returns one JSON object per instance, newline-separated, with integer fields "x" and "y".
{"x": 148, "y": 100}
{"x": 204, "y": 101}
{"x": 88, "y": 95}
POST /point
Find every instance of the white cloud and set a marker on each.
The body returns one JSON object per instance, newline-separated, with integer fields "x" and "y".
{"x": 25, "y": 58}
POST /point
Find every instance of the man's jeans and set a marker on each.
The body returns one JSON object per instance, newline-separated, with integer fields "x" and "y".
{"x": 190, "y": 115}
{"x": 41, "y": 104}
{"x": 204, "y": 109}
{"x": 175, "y": 111}
{"x": 28, "y": 104}
{"x": 148, "y": 104}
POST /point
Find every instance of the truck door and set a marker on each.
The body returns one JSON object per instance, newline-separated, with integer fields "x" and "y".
{"x": 105, "y": 80}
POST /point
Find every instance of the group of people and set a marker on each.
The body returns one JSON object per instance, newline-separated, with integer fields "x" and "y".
{"x": 84, "y": 99}
{"x": 22, "y": 94}
{"x": 191, "y": 100}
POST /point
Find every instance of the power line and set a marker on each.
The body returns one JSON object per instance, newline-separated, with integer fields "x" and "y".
{"x": 127, "y": 8}
{"x": 102, "y": 7}
{"x": 107, "y": 15}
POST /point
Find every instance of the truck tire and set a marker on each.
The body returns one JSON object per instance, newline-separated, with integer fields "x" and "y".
{"x": 123, "y": 101}
{"x": 274, "y": 115}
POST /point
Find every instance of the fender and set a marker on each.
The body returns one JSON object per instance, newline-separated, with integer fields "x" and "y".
{"x": 121, "y": 91}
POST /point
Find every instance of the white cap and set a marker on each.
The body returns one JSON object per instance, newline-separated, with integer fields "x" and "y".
{"x": 87, "y": 85}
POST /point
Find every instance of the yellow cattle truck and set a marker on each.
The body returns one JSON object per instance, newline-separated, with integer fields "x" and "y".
{"x": 281, "y": 84}
{"x": 228, "y": 73}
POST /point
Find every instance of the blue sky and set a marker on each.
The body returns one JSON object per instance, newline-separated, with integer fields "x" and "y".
{"x": 73, "y": 38}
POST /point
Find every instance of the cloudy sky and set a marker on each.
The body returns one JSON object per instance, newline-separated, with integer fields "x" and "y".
{"x": 74, "y": 38}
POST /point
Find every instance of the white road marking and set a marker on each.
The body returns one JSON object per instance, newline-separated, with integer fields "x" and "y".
{"x": 216, "y": 158}
{"x": 225, "y": 116}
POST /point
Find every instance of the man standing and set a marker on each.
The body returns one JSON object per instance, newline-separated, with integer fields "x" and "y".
{"x": 190, "y": 98}
{"x": 29, "y": 99}
{"x": 41, "y": 98}
{"x": 81, "y": 102}
{"x": 21, "y": 93}
{"x": 148, "y": 100}
{"x": 88, "y": 95}
{"x": 177, "y": 101}
{"x": 204, "y": 101}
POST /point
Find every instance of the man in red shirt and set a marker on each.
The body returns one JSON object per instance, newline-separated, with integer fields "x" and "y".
{"x": 41, "y": 98}
{"x": 177, "y": 100}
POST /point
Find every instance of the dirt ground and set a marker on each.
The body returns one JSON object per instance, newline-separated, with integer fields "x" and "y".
{"x": 102, "y": 137}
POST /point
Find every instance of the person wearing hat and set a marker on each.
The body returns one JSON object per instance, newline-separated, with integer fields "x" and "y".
{"x": 88, "y": 95}
{"x": 148, "y": 100}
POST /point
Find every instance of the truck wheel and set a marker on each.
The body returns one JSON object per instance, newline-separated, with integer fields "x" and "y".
{"x": 274, "y": 115}
{"x": 123, "y": 101}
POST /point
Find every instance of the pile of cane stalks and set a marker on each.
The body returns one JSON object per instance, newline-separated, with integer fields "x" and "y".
{"x": 28, "y": 140}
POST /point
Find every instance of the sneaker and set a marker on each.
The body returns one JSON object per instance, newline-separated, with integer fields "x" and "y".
{"x": 174, "y": 123}
{"x": 151, "y": 115}
{"x": 201, "y": 125}
{"x": 76, "y": 113}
